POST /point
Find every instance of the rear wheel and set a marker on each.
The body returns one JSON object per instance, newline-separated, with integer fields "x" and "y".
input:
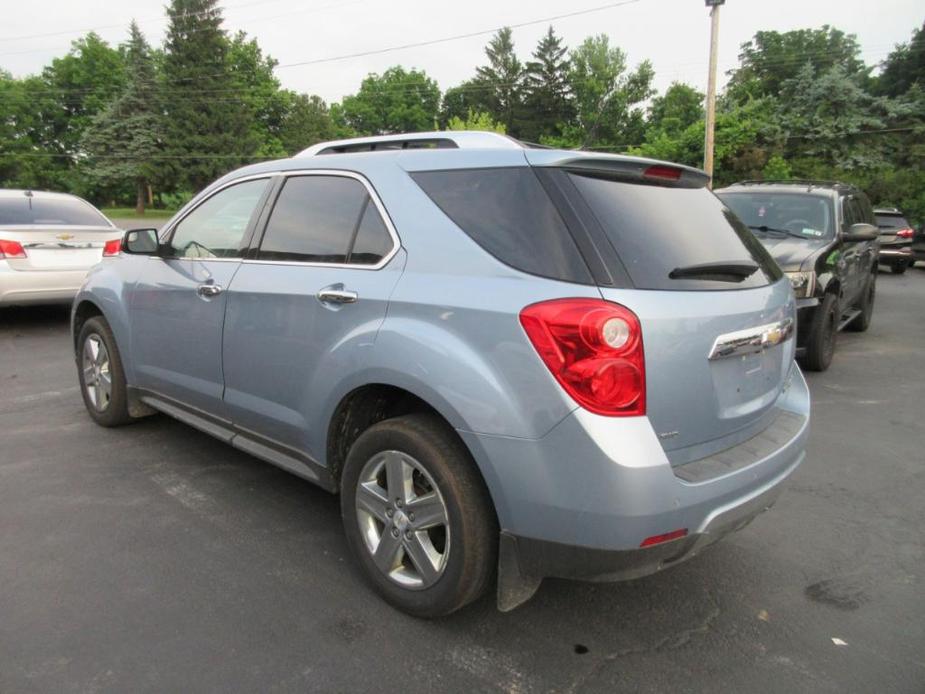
{"x": 417, "y": 516}
{"x": 862, "y": 322}
{"x": 820, "y": 346}
{"x": 899, "y": 268}
{"x": 99, "y": 370}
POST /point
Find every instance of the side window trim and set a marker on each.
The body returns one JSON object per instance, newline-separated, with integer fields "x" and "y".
{"x": 371, "y": 196}
{"x": 252, "y": 225}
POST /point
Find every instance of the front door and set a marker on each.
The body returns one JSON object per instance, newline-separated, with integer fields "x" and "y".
{"x": 178, "y": 303}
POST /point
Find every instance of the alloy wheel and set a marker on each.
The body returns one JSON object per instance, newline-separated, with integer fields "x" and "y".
{"x": 97, "y": 373}
{"x": 403, "y": 520}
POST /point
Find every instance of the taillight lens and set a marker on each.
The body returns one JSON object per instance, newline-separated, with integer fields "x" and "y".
{"x": 112, "y": 248}
{"x": 11, "y": 249}
{"x": 905, "y": 233}
{"x": 594, "y": 350}
{"x": 668, "y": 173}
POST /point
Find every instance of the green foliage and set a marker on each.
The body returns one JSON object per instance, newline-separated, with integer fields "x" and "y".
{"x": 547, "y": 94}
{"x": 504, "y": 76}
{"x": 771, "y": 58}
{"x": 677, "y": 109}
{"x": 123, "y": 140}
{"x": 476, "y": 121}
{"x": 397, "y": 101}
{"x": 904, "y": 67}
{"x": 607, "y": 98}
{"x": 777, "y": 169}
{"x": 210, "y": 127}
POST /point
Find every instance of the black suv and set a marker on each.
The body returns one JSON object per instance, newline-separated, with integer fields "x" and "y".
{"x": 824, "y": 236}
{"x": 895, "y": 239}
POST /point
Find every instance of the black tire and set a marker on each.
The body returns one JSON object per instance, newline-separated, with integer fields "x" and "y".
{"x": 862, "y": 322}
{"x": 820, "y": 345}
{"x": 114, "y": 411}
{"x": 899, "y": 268}
{"x": 472, "y": 529}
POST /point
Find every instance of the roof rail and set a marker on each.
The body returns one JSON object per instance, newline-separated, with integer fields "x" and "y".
{"x": 795, "y": 181}
{"x": 449, "y": 139}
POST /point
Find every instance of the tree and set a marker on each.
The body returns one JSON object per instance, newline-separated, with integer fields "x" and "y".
{"x": 476, "y": 121}
{"x": 397, "y": 101}
{"x": 307, "y": 120}
{"x": 772, "y": 57}
{"x": 124, "y": 139}
{"x": 474, "y": 95}
{"x": 904, "y": 67}
{"x": 678, "y": 108}
{"x": 607, "y": 97}
{"x": 548, "y": 97}
{"x": 504, "y": 74}
{"x": 209, "y": 119}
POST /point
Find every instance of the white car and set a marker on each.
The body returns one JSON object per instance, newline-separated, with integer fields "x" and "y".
{"x": 48, "y": 241}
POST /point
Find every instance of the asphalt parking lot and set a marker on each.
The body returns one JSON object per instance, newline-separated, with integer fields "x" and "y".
{"x": 153, "y": 558}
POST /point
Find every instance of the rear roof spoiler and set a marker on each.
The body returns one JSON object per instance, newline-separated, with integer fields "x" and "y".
{"x": 631, "y": 169}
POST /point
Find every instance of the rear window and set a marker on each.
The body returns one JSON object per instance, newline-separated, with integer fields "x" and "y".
{"x": 508, "y": 213}
{"x": 49, "y": 212}
{"x": 656, "y": 230}
{"x": 892, "y": 222}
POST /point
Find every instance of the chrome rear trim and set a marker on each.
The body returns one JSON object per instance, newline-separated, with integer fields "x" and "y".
{"x": 751, "y": 340}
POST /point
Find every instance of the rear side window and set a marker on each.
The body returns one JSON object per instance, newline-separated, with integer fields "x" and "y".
{"x": 508, "y": 213}
{"x": 49, "y": 212}
{"x": 656, "y": 230}
{"x": 325, "y": 219}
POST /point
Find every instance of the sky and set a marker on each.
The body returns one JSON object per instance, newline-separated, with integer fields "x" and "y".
{"x": 672, "y": 34}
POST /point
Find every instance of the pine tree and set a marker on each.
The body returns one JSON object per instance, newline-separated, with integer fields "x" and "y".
{"x": 505, "y": 73}
{"x": 124, "y": 139}
{"x": 548, "y": 98}
{"x": 209, "y": 124}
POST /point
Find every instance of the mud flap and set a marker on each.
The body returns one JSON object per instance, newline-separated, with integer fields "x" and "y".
{"x": 514, "y": 588}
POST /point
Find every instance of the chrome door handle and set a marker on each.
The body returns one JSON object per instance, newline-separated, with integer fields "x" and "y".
{"x": 209, "y": 290}
{"x": 337, "y": 296}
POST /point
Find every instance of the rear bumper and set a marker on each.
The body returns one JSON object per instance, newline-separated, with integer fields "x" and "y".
{"x": 891, "y": 254}
{"x": 579, "y": 502}
{"x": 21, "y": 287}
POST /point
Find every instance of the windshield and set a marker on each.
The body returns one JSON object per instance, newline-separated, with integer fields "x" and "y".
{"x": 50, "y": 212}
{"x": 798, "y": 214}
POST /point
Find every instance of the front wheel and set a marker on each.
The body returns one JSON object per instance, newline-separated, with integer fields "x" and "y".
{"x": 99, "y": 370}
{"x": 417, "y": 516}
{"x": 820, "y": 346}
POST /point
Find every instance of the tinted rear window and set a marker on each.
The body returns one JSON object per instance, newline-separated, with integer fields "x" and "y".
{"x": 892, "y": 222}
{"x": 657, "y": 229}
{"x": 49, "y": 212}
{"x": 508, "y": 213}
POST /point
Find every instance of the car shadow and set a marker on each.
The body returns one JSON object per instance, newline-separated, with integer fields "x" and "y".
{"x": 29, "y": 316}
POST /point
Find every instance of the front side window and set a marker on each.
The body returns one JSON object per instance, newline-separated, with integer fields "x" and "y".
{"x": 217, "y": 227}
{"x": 325, "y": 219}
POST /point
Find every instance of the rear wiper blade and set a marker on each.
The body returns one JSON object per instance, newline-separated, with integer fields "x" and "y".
{"x": 723, "y": 271}
{"x": 775, "y": 230}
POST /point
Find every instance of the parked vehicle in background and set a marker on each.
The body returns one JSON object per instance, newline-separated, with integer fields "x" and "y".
{"x": 48, "y": 241}
{"x": 896, "y": 236}
{"x": 918, "y": 245}
{"x": 540, "y": 362}
{"x": 823, "y": 235}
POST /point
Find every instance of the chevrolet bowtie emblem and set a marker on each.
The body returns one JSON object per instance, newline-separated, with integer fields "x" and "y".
{"x": 64, "y": 237}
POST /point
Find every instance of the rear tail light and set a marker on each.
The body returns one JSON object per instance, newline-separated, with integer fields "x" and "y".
{"x": 11, "y": 249}
{"x": 669, "y": 173}
{"x": 594, "y": 350}
{"x": 905, "y": 233}
{"x": 112, "y": 248}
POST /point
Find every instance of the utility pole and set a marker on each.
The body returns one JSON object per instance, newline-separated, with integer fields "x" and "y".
{"x": 711, "y": 89}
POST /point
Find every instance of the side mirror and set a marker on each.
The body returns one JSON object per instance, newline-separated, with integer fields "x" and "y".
{"x": 140, "y": 242}
{"x": 861, "y": 232}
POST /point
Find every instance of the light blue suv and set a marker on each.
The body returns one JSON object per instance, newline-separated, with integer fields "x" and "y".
{"x": 510, "y": 362}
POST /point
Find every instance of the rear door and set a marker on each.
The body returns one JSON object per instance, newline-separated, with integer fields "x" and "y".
{"x": 718, "y": 345}
{"x": 178, "y": 302}
{"x": 305, "y": 309}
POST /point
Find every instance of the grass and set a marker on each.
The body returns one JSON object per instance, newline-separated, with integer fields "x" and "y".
{"x": 129, "y": 213}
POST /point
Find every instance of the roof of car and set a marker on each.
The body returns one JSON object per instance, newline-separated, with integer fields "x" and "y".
{"x": 18, "y": 192}
{"x": 807, "y": 185}
{"x": 888, "y": 210}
